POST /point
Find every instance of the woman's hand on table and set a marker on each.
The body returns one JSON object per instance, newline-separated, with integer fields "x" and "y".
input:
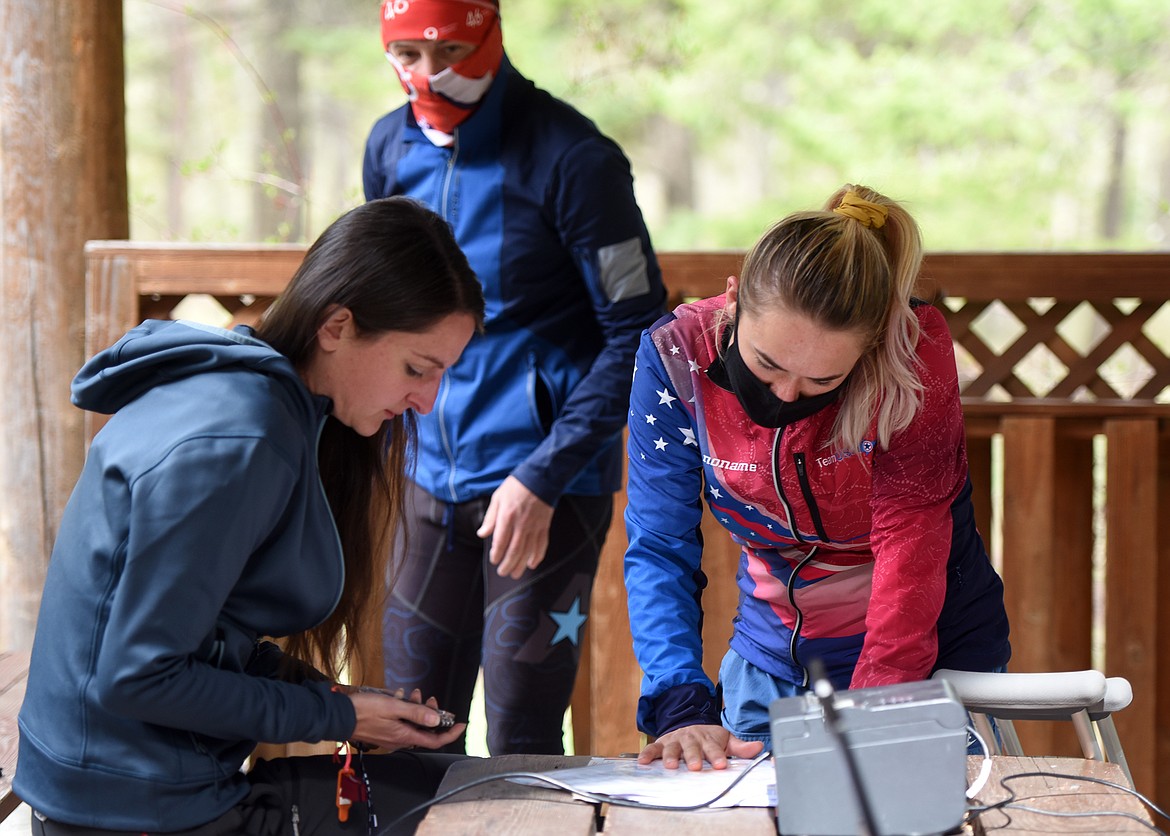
{"x": 694, "y": 744}
{"x": 392, "y": 722}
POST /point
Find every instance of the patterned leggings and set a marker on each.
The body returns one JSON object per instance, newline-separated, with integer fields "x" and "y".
{"x": 449, "y": 613}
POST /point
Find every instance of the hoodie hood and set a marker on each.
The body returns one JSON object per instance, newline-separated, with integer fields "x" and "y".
{"x": 160, "y": 351}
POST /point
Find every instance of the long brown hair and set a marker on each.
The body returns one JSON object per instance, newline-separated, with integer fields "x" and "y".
{"x": 396, "y": 266}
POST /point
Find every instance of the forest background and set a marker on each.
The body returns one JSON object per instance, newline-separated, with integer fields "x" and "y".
{"x": 1003, "y": 124}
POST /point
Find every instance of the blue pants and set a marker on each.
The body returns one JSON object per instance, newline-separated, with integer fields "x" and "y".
{"x": 748, "y": 692}
{"x": 449, "y": 612}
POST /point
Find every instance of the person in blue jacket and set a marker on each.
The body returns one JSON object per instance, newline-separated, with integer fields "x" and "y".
{"x": 244, "y": 487}
{"x": 518, "y": 462}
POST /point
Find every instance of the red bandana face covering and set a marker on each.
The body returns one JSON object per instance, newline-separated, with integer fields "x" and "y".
{"x": 441, "y": 101}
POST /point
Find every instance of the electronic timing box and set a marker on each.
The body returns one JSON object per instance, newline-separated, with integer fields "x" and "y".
{"x": 909, "y": 742}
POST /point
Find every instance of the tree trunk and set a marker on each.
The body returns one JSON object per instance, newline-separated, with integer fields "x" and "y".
{"x": 1113, "y": 208}
{"x": 178, "y": 107}
{"x": 278, "y": 197}
{"x": 62, "y": 181}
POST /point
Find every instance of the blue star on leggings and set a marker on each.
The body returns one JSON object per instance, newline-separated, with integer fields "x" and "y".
{"x": 568, "y": 623}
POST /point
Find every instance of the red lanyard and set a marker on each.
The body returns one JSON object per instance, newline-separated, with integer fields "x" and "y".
{"x": 353, "y": 785}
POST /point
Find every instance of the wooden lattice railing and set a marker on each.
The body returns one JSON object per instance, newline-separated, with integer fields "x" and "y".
{"x": 1068, "y": 437}
{"x": 1096, "y": 328}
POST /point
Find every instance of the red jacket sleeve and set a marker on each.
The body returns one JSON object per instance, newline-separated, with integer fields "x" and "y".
{"x": 914, "y": 484}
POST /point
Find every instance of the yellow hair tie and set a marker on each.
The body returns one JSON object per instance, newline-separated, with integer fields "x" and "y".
{"x": 861, "y": 210}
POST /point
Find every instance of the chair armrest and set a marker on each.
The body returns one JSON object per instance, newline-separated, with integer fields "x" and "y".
{"x": 1040, "y": 696}
{"x": 1118, "y": 695}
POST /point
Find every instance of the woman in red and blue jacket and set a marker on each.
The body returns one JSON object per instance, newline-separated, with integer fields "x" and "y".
{"x": 815, "y": 407}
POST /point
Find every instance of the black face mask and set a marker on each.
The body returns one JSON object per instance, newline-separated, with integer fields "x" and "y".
{"x": 757, "y": 399}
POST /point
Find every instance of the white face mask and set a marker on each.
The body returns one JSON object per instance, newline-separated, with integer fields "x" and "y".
{"x": 446, "y": 97}
{"x": 461, "y": 89}
{"x": 442, "y": 101}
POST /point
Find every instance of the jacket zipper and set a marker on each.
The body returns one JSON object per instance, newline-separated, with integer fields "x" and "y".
{"x": 802, "y": 476}
{"x": 804, "y": 677}
{"x": 537, "y": 377}
{"x": 532, "y": 376}
{"x": 441, "y": 414}
{"x": 295, "y": 774}
{"x": 806, "y": 491}
{"x": 332, "y": 520}
{"x": 445, "y": 206}
{"x": 444, "y": 385}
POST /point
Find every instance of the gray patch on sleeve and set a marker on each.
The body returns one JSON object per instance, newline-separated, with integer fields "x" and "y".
{"x": 623, "y": 270}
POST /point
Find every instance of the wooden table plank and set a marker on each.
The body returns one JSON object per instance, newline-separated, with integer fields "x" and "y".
{"x": 488, "y": 817}
{"x": 506, "y": 807}
{"x": 13, "y": 677}
{"x": 742, "y": 821}
{"x": 1094, "y": 805}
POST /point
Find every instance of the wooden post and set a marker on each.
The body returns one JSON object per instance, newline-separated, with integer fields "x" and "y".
{"x": 1131, "y": 588}
{"x": 1029, "y": 525}
{"x": 1047, "y": 559}
{"x": 1160, "y": 698}
{"x": 62, "y": 181}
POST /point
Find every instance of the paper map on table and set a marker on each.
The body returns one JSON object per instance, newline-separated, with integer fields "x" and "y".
{"x": 655, "y": 784}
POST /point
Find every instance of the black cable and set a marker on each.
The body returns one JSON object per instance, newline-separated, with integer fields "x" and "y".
{"x": 823, "y": 689}
{"x": 1070, "y": 815}
{"x": 1011, "y": 802}
{"x": 561, "y": 785}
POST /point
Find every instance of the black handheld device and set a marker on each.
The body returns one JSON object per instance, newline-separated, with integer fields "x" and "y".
{"x": 446, "y": 718}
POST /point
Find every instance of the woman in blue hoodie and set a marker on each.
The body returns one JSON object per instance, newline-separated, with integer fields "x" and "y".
{"x": 246, "y": 486}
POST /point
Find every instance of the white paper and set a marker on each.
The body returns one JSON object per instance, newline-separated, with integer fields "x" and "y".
{"x": 624, "y": 778}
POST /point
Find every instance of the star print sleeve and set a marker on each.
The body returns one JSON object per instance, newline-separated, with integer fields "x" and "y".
{"x": 662, "y": 564}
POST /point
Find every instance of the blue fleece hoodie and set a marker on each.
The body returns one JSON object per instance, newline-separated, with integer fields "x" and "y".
{"x": 198, "y": 525}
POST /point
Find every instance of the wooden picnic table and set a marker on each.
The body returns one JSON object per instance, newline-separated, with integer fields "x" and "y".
{"x": 519, "y": 809}
{"x": 13, "y": 676}
{"x": 507, "y": 807}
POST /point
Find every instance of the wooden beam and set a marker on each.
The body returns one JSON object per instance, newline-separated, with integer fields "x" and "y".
{"x": 1131, "y": 585}
{"x": 1049, "y": 606}
{"x": 62, "y": 182}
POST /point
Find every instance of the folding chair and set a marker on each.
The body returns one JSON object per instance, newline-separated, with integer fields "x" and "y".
{"x": 1087, "y": 698}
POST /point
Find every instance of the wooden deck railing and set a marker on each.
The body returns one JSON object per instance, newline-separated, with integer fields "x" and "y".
{"x": 13, "y": 678}
{"x": 1063, "y": 361}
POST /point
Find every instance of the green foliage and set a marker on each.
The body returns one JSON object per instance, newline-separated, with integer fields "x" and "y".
{"x": 1005, "y": 124}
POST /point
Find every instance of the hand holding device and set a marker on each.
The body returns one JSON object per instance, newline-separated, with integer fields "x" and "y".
{"x": 446, "y": 718}
{"x": 389, "y": 720}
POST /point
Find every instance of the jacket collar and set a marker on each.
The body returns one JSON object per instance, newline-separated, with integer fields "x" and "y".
{"x": 717, "y": 370}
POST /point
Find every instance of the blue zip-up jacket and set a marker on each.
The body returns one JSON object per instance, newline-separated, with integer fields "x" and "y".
{"x": 543, "y": 206}
{"x": 199, "y": 524}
